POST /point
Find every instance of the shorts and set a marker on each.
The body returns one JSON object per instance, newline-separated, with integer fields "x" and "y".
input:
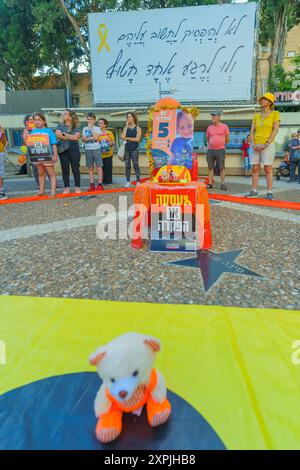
{"x": 215, "y": 155}
{"x": 44, "y": 164}
{"x": 93, "y": 158}
{"x": 247, "y": 164}
{"x": 264, "y": 157}
{"x": 2, "y": 155}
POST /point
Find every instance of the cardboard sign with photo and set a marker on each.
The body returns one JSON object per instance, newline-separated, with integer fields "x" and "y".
{"x": 38, "y": 147}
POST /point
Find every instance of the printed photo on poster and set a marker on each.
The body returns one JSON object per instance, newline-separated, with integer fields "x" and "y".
{"x": 182, "y": 145}
{"x": 172, "y": 138}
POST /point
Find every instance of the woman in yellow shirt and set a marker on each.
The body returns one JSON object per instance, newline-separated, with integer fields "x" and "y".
{"x": 107, "y": 142}
{"x": 264, "y": 128}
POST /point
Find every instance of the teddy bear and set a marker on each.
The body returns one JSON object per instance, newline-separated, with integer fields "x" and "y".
{"x": 125, "y": 366}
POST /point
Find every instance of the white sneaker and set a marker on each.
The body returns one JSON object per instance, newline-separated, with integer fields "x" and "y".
{"x": 127, "y": 185}
{"x": 252, "y": 193}
{"x": 138, "y": 183}
{"x": 3, "y": 196}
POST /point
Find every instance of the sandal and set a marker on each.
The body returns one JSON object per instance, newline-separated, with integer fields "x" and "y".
{"x": 209, "y": 186}
{"x": 224, "y": 187}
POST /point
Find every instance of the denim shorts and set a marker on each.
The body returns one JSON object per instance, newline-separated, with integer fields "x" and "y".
{"x": 247, "y": 164}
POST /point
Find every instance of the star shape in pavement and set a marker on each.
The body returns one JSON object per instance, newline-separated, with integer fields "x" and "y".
{"x": 213, "y": 265}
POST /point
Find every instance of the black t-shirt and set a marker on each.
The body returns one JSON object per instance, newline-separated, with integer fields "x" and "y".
{"x": 131, "y": 132}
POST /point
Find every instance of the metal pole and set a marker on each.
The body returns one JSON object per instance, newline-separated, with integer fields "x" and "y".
{"x": 68, "y": 93}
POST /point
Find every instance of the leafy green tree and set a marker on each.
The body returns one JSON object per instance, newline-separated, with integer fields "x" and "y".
{"x": 59, "y": 45}
{"x": 277, "y": 17}
{"x": 281, "y": 80}
{"x": 19, "y": 55}
{"x": 77, "y": 13}
{"x": 285, "y": 81}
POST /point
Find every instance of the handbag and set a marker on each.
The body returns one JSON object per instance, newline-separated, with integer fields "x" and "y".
{"x": 121, "y": 152}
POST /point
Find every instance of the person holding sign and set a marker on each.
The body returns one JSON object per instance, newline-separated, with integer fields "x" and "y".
{"x": 29, "y": 125}
{"x": 47, "y": 165}
{"x": 132, "y": 133}
{"x": 264, "y": 128}
{"x": 107, "y": 142}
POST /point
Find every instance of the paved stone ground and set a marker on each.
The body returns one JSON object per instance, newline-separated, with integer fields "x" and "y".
{"x": 50, "y": 248}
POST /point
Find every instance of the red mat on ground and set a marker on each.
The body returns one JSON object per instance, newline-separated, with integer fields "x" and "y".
{"x": 21, "y": 200}
{"x": 219, "y": 197}
{"x": 256, "y": 201}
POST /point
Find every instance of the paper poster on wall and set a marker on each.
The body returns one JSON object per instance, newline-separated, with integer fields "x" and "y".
{"x": 173, "y": 221}
{"x": 197, "y": 53}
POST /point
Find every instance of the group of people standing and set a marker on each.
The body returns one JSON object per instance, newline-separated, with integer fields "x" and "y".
{"x": 98, "y": 142}
{"x": 294, "y": 157}
{"x": 264, "y": 128}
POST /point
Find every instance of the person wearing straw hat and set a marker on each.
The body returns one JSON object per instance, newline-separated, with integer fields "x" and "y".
{"x": 264, "y": 128}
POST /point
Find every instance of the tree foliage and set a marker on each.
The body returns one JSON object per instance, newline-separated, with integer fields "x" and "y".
{"x": 19, "y": 55}
{"x": 277, "y": 17}
{"x": 285, "y": 81}
{"x": 59, "y": 45}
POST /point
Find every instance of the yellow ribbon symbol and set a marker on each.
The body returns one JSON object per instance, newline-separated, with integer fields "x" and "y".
{"x": 102, "y": 32}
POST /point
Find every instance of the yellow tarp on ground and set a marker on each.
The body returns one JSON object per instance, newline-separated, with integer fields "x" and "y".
{"x": 232, "y": 365}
